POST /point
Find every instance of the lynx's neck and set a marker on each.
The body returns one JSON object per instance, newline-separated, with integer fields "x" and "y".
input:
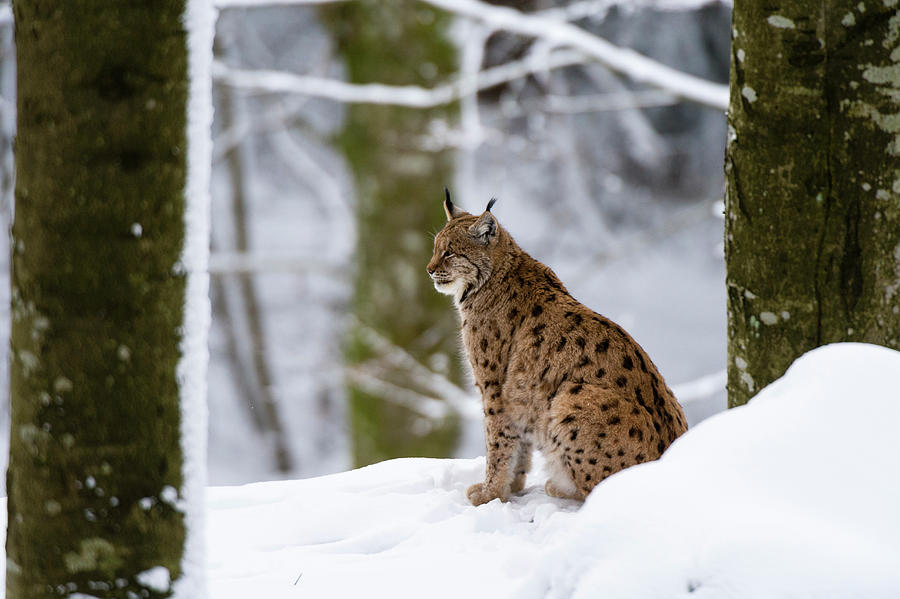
{"x": 513, "y": 282}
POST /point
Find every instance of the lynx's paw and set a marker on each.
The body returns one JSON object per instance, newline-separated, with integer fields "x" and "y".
{"x": 480, "y": 493}
{"x": 563, "y": 492}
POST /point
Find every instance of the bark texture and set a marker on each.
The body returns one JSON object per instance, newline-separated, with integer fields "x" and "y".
{"x": 399, "y": 182}
{"x": 812, "y": 235}
{"x": 97, "y": 299}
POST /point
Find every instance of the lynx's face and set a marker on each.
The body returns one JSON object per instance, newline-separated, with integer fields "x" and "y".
{"x": 463, "y": 252}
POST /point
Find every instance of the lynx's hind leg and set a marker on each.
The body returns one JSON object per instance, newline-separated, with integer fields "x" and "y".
{"x": 521, "y": 467}
{"x": 559, "y": 482}
{"x": 593, "y": 432}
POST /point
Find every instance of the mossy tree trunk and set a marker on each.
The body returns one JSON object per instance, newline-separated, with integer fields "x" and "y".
{"x": 812, "y": 236}
{"x": 399, "y": 183}
{"x": 98, "y": 300}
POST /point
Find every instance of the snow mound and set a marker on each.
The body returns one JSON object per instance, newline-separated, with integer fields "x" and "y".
{"x": 793, "y": 495}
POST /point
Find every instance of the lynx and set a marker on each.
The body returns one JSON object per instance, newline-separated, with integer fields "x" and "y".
{"x": 551, "y": 372}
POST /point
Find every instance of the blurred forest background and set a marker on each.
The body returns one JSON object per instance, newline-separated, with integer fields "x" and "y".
{"x": 329, "y": 348}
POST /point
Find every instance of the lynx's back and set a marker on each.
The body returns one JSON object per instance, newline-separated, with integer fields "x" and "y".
{"x": 552, "y": 373}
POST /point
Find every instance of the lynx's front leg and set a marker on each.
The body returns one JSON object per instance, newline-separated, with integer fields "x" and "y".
{"x": 502, "y": 443}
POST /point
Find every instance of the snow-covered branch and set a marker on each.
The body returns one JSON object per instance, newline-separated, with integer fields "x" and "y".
{"x": 369, "y": 382}
{"x": 220, "y": 4}
{"x": 621, "y": 60}
{"x": 553, "y": 29}
{"x": 650, "y": 98}
{"x": 222, "y": 262}
{"x": 597, "y": 9}
{"x": 420, "y": 376}
{"x": 411, "y": 96}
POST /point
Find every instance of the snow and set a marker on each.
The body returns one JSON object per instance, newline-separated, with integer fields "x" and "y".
{"x": 156, "y": 579}
{"x": 793, "y": 495}
{"x": 199, "y": 22}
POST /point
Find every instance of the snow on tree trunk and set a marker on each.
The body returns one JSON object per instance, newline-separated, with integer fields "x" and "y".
{"x": 812, "y": 235}
{"x": 399, "y": 182}
{"x": 109, "y": 300}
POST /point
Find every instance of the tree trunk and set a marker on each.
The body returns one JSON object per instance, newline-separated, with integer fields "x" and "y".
{"x": 399, "y": 184}
{"x": 812, "y": 235}
{"x": 243, "y": 323}
{"x": 97, "y": 501}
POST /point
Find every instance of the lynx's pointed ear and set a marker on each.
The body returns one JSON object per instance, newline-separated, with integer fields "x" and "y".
{"x": 484, "y": 229}
{"x": 449, "y": 209}
{"x": 490, "y": 204}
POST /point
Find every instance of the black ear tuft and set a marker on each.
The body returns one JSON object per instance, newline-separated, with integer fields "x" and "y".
{"x": 449, "y": 209}
{"x": 490, "y": 204}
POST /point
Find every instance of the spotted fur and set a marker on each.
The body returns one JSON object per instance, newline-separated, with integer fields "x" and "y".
{"x": 552, "y": 373}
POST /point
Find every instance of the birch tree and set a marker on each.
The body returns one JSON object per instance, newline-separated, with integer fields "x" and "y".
{"x": 812, "y": 234}
{"x": 109, "y": 299}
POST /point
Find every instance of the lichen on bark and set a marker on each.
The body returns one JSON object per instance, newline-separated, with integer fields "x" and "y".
{"x": 812, "y": 233}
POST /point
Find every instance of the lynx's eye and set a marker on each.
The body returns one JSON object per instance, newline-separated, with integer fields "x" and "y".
{"x": 447, "y": 254}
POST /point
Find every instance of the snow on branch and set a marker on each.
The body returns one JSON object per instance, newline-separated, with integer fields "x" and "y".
{"x": 604, "y": 102}
{"x": 371, "y": 383}
{"x": 220, "y": 4}
{"x": 598, "y": 9}
{"x": 621, "y": 60}
{"x": 223, "y": 262}
{"x": 411, "y": 96}
{"x": 420, "y": 376}
{"x": 551, "y": 28}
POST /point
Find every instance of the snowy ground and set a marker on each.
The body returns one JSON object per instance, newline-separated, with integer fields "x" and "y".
{"x": 794, "y": 495}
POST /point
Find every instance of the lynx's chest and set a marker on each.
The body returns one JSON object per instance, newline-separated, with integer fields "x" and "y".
{"x": 486, "y": 342}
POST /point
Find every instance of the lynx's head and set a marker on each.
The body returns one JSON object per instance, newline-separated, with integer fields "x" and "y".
{"x": 466, "y": 251}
